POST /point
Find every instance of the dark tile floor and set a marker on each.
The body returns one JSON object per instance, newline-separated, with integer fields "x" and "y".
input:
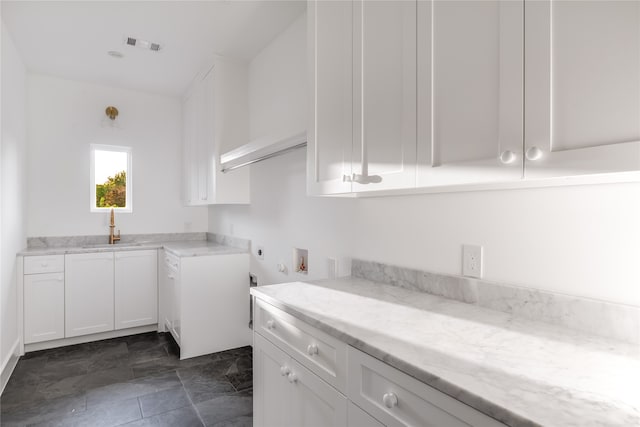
{"x": 134, "y": 381}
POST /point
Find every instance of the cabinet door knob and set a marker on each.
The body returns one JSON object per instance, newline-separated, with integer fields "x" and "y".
{"x": 284, "y": 371}
{"x": 44, "y": 264}
{"x": 507, "y": 157}
{"x": 390, "y": 400}
{"x": 292, "y": 377}
{"x": 534, "y": 153}
{"x": 271, "y": 324}
{"x": 312, "y": 349}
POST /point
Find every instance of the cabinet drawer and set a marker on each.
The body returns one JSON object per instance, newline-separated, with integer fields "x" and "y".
{"x": 43, "y": 264}
{"x": 397, "y": 399}
{"x": 319, "y": 352}
{"x": 171, "y": 261}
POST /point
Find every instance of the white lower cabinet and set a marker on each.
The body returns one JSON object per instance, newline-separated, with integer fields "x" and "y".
{"x": 170, "y": 295}
{"x": 204, "y": 302}
{"x": 66, "y": 296}
{"x": 313, "y": 402}
{"x": 288, "y": 392}
{"x": 356, "y": 417}
{"x": 89, "y": 302}
{"x": 43, "y": 307}
{"x": 136, "y": 288}
{"x": 270, "y": 385}
{"x": 396, "y": 399}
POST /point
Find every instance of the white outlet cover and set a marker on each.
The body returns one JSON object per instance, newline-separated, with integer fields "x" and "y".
{"x": 472, "y": 261}
{"x": 332, "y": 268}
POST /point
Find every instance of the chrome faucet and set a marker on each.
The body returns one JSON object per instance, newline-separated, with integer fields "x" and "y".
{"x": 113, "y": 238}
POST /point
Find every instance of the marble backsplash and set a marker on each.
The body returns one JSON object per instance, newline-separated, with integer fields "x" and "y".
{"x": 616, "y": 321}
{"x": 233, "y": 241}
{"x": 76, "y": 241}
{"x": 79, "y": 241}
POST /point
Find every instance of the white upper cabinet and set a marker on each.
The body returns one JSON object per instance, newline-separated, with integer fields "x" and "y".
{"x": 362, "y": 65}
{"x": 470, "y": 99}
{"x": 582, "y": 105}
{"x": 384, "y": 107}
{"x": 449, "y": 94}
{"x": 215, "y": 120}
{"x": 330, "y": 129}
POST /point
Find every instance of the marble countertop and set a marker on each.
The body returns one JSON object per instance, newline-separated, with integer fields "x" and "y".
{"x": 201, "y": 248}
{"x": 518, "y": 371}
{"x": 186, "y": 248}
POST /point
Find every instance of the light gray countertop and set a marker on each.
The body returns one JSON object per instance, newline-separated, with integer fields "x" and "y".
{"x": 521, "y": 372}
{"x": 200, "y": 248}
{"x": 187, "y": 248}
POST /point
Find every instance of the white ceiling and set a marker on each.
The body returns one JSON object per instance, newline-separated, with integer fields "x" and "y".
{"x": 71, "y": 39}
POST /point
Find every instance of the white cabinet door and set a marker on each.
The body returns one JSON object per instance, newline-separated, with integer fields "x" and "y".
{"x": 189, "y": 168}
{"x": 582, "y": 87}
{"x": 271, "y": 389}
{"x": 88, "y": 293}
{"x": 205, "y": 137}
{"x": 164, "y": 300}
{"x": 43, "y": 307}
{"x": 198, "y": 140}
{"x": 176, "y": 305}
{"x": 356, "y": 417}
{"x": 329, "y": 134}
{"x": 384, "y": 100}
{"x": 136, "y": 288}
{"x": 470, "y": 102}
{"x": 314, "y": 403}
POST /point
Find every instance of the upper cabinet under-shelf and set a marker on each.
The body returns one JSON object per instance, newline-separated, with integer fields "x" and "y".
{"x": 445, "y": 100}
{"x": 215, "y": 120}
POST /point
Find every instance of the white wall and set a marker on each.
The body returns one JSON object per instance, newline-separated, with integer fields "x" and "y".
{"x": 13, "y": 186}
{"x": 65, "y": 117}
{"x": 581, "y": 240}
{"x": 278, "y": 85}
{"x": 282, "y": 217}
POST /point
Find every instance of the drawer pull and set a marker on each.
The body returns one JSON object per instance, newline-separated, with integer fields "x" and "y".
{"x": 390, "y": 400}
{"x": 293, "y": 378}
{"x": 312, "y": 349}
{"x": 284, "y": 371}
{"x": 44, "y": 264}
{"x": 271, "y": 324}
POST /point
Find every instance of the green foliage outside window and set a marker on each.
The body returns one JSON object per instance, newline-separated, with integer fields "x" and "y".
{"x": 113, "y": 193}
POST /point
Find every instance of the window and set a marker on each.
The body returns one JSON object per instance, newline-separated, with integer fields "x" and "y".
{"x": 110, "y": 178}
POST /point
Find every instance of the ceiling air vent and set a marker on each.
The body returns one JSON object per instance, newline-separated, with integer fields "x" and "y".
{"x": 143, "y": 44}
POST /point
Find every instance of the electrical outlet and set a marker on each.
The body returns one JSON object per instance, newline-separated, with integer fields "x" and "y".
{"x": 472, "y": 261}
{"x": 260, "y": 252}
{"x": 332, "y": 268}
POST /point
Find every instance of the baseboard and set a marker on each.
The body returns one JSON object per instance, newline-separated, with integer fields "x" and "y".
{"x": 9, "y": 364}
{"x": 88, "y": 338}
